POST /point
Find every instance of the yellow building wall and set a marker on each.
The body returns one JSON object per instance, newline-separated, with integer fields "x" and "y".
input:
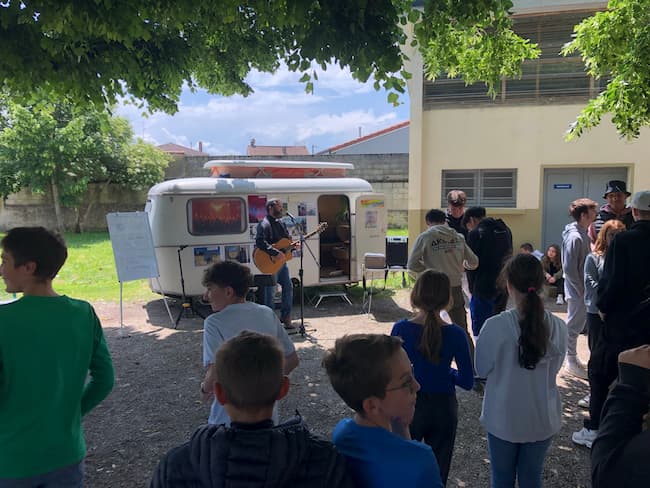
{"x": 529, "y": 138}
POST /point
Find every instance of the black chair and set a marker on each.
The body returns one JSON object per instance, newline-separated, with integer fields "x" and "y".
{"x": 397, "y": 255}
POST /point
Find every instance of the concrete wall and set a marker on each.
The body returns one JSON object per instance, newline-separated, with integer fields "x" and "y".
{"x": 27, "y": 208}
{"x": 388, "y": 173}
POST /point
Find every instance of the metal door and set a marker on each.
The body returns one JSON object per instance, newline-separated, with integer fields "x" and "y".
{"x": 562, "y": 186}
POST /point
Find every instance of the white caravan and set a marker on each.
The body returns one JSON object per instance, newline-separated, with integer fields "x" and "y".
{"x": 197, "y": 221}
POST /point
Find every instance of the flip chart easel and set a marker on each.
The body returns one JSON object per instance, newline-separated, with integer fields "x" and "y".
{"x": 133, "y": 250}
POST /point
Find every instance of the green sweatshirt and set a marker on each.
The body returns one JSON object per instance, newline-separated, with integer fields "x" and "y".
{"x": 48, "y": 345}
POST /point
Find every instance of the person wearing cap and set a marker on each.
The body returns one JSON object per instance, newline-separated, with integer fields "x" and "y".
{"x": 269, "y": 231}
{"x": 624, "y": 302}
{"x": 456, "y": 200}
{"x": 615, "y": 193}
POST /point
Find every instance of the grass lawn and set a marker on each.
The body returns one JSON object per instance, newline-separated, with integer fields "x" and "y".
{"x": 89, "y": 273}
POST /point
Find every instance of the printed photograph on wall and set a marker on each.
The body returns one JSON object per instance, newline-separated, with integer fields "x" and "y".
{"x": 252, "y": 231}
{"x": 302, "y": 209}
{"x": 256, "y": 208}
{"x": 204, "y": 256}
{"x": 371, "y": 219}
{"x": 237, "y": 253}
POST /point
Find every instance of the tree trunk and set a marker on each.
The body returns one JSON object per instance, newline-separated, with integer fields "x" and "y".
{"x": 77, "y": 221}
{"x": 57, "y": 206}
{"x": 91, "y": 203}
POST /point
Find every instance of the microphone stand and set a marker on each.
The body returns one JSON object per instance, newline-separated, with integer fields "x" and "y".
{"x": 301, "y": 272}
{"x": 187, "y": 306}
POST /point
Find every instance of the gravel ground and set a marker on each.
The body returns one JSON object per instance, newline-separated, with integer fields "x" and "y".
{"x": 155, "y": 403}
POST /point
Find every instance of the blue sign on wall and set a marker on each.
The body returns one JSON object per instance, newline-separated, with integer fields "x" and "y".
{"x": 562, "y": 186}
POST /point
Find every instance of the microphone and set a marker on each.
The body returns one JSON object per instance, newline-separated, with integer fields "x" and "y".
{"x": 293, "y": 219}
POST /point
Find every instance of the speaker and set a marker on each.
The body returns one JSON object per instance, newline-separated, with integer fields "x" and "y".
{"x": 397, "y": 250}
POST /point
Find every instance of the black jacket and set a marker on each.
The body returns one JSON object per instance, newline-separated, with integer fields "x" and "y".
{"x": 619, "y": 455}
{"x": 269, "y": 231}
{"x": 625, "y": 285}
{"x": 456, "y": 223}
{"x": 260, "y": 455}
{"x": 491, "y": 241}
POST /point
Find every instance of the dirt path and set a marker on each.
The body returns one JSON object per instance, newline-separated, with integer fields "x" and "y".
{"x": 155, "y": 404}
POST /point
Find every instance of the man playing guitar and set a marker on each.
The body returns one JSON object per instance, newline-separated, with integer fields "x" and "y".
{"x": 269, "y": 231}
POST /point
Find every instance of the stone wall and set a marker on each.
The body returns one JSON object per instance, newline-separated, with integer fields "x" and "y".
{"x": 27, "y": 208}
{"x": 388, "y": 174}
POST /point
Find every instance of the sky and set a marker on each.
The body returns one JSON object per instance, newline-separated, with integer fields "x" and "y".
{"x": 278, "y": 113}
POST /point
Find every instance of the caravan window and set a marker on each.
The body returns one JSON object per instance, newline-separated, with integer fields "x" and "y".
{"x": 210, "y": 216}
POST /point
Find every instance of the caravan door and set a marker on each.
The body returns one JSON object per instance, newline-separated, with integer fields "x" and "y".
{"x": 370, "y": 224}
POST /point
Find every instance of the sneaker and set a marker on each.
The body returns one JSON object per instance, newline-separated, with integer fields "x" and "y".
{"x": 584, "y": 402}
{"x": 584, "y": 437}
{"x": 575, "y": 367}
{"x": 560, "y": 299}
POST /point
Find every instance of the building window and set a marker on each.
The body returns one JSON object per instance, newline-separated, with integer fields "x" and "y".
{"x": 552, "y": 78}
{"x": 483, "y": 187}
{"x": 212, "y": 216}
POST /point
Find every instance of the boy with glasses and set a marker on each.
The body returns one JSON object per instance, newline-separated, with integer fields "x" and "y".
{"x": 374, "y": 377}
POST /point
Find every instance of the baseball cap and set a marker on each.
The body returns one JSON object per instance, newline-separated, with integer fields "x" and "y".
{"x": 457, "y": 198}
{"x": 641, "y": 200}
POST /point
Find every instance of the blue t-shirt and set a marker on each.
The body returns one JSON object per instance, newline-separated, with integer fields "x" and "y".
{"x": 441, "y": 377}
{"x": 377, "y": 458}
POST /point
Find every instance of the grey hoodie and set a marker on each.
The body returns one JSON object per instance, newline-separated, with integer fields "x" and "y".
{"x": 443, "y": 249}
{"x": 575, "y": 249}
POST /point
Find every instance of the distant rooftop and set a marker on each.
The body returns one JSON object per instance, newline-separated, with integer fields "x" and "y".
{"x": 178, "y": 150}
{"x": 254, "y": 150}
{"x": 372, "y": 135}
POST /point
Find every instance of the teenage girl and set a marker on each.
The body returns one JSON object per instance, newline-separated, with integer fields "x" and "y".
{"x": 520, "y": 352}
{"x": 553, "y": 274}
{"x": 432, "y": 344}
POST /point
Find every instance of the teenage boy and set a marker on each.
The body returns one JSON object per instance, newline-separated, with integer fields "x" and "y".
{"x": 252, "y": 451}
{"x": 49, "y": 343}
{"x": 374, "y": 377}
{"x": 575, "y": 248}
{"x": 456, "y": 200}
{"x": 227, "y": 284}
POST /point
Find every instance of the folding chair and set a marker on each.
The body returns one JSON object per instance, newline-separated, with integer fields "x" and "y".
{"x": 373, "y": 264}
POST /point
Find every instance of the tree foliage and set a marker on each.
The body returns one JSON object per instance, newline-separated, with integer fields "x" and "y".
{"x": 615, "y": 44}
{"x": 103, "y": 49}
{"x": 100, "y": 50}
{"x": 59, "y": 146}
{"x": 473, "y": 40}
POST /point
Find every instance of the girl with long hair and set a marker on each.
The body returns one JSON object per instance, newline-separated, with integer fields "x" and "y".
{"x": 553, "y": 273}
{"x": 520, "y": 353}
{"x": 432, "y": 344}
{"x": 597, "y": 390}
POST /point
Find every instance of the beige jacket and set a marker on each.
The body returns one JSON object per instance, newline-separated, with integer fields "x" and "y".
{"x": 443, "y": 249}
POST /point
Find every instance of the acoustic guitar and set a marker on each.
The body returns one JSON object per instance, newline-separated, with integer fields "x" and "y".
{"x": 270, "y": 264}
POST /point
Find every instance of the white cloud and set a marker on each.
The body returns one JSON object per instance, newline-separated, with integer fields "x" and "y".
{"x": 278, "y": 113}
